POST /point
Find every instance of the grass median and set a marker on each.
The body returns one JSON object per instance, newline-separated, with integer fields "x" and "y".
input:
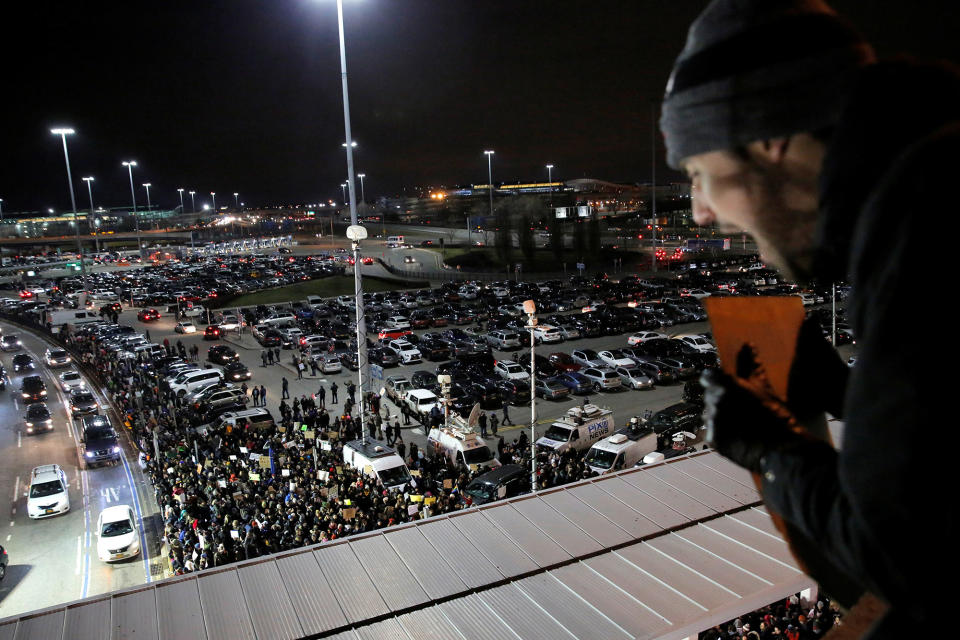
{"x": 325, "y": 287}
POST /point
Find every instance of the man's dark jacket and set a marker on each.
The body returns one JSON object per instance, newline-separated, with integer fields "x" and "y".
{"x": 883, "y": 508}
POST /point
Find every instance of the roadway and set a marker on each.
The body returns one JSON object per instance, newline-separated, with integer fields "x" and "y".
{"x": 55, "y": 559}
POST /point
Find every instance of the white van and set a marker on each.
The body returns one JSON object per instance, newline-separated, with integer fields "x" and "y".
{"x": 579, "y": 429}
{"x": 421, "y": 401}
{"x": 189, "y": 381}
{"x": 503, "y": 339}
{"x": 71, "y": 317}
{"x": 377, "y": 460}
{"x": 547, "y": 334}
{"x": 462, "y": 445}
{"x": 621, "y": 450}
{"x": 397, "y": 239}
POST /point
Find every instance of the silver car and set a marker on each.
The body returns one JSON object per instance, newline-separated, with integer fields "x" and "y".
{"x": 634, "y": 378}
{"x": 602, "y": 378}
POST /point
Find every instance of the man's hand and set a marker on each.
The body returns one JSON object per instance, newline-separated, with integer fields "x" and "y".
{"x": 743, "y": 421}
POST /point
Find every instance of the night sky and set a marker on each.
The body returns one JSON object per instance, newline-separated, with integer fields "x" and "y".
{"x": 244, "y": 95}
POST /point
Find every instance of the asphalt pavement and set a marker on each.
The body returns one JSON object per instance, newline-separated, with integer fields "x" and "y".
{"x": 54, "y": 560}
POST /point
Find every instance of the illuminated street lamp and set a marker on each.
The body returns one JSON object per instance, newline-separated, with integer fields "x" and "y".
{"x": 89, "y": 181}
{"x": 147, "y": 186}
{"x": 193, "y": 206}
{"x": 236, "y": 200}
{"x": 63, "y": 132}
{"x": 489, "y": 154}
{"x": 550, "y": 180}
{"x": 180, "y": 191}
{"x": 343, "y": 188}
{"x": 213, "y": 194}
{"x": 363, "y": 197}
{"x": 136, "y": 218}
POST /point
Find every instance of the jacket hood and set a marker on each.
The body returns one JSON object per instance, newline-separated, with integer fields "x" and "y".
{"x": 891, "y": 105}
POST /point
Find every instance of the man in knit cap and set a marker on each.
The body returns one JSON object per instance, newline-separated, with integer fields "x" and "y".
{"x": 790, "y": 130}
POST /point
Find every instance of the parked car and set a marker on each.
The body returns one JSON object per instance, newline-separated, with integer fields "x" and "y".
{"x": 551, "y": 389}
{"x": 602, "y": 379}
{"x": 185, "y": 327}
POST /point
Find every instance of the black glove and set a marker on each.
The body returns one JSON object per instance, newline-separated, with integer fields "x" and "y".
{"x": 818, "y": 376}
{"x": 744, "y": 422}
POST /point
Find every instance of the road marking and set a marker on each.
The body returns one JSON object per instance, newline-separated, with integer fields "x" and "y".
{"x": 16, "y": 404}
{"x": 16, "y": 489}
{"x": 86, "y": 533}
{"x": 11, "y": 523}
{"x": 110, "y": 494}
{"x": 77, "y": 570}
{"x": 19, "y": 439}
{"x": 9, "y": 536}
{"x": 136, "y": 505}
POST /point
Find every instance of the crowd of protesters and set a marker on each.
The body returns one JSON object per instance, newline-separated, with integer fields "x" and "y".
{"x": 791, "y": 619}
{"x": 230, "y": 493}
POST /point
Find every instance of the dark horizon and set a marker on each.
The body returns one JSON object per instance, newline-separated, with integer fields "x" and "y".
{"x": 249, "y": 100}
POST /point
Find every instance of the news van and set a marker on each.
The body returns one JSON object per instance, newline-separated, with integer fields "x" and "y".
{"x": 375, "y": 459}
{"x": 622, "y": 450}
{"x": 459, "y": 444}
{"x": 579, "y": 429}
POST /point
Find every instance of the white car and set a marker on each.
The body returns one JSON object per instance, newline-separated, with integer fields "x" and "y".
{"x": 49, "y": 492}
{"x": 808, "y": 299}
{"x": 510, "y": 370}
{"x": 406, "y": 352}
{"x": 118, "y": 537}
{"x": 643, "y": 336}
{"x": 615, "y": 359}
{"x": 698, "y": 342}
{"x": 397, "y": 322}
{"x": 330, "y": 364}
{"x": 185, "y": 327}
{"x": 229, "y": 323}
{"x": 70, "y": 380}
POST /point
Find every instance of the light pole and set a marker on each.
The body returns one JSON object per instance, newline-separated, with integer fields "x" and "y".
{"x": 530, "y": 308}
{"x": 363, "y": 196}
{"x": 550, "y": 180}
{"x": 1, "y": 209}
{"x": 489, "y": 154}
{"x": 63, "y": 132}
{"x": 180, "y": 191}
{"x": 343, "y": 189}
{"x": 236, "y": 200}
{"x": 193, "y": 206}
{"x": 363, "y": 371}
{"x": 96, "y": 239}
{"x": 136, "y": 219}
{"x": 147, "y": 185}
{"x": 213, "y": 194}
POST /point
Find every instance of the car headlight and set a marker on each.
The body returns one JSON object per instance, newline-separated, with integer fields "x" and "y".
{"x": 116, "y": 449}
{"x": 25, "y": 395}
{"x": 89, "y": 454}
{"x": 29, "y": 424}
{"x": 44, "y": 392}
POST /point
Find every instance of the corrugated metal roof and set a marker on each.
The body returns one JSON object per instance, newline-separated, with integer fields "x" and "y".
{"x": 668, "y": 549}
{"x": 359, "y": 598}
{"x": 42, "y": 627}
{"x": 571, "y": 611}
{"x": 221, "y": 597}
{"x": 428, "y": 567}
{"x": 182, "y": 596}
{"x": 429, "y": 624}
{"x": 134, "y": 615}
{"x": 310, "y": 594}
{"x": 468, "y": 562}
{"x": 89, "y": 622}
{"x": 397, "y": 586}
{"x": 271, "y": 610}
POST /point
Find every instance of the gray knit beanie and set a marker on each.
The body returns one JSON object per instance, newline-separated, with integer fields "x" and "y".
{"x": 758, "y": 69}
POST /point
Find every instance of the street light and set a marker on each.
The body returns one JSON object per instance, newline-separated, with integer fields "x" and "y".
{"x": 343, "y": 188}
{"x": 363, "y": 197}
{"x": 213, "y": 194}
{"x": 147, "y": 186}
{"x": 489, "y": 155}
{"x": 180, "y": 191}
{"x": 236, "y": 200}
{"x": 130, "y": 165}
{"x": 363, "y": 371}
{"x": 530, "y": 308}
{"x": 550, "y": 181}
{"x": 96, "y": 240}
{"x": 63, "y": 132}
{"x": 193, "y": 206}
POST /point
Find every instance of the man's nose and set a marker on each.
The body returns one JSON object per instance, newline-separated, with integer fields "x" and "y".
{"x": 703, "y": 215}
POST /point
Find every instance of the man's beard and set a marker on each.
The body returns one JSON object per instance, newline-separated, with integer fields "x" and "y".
{"x": 784, "y": 234}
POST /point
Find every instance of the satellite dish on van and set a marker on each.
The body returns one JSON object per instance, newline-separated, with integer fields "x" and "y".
{"x": 474, "y": 419}
{"x": 356, "y": 232}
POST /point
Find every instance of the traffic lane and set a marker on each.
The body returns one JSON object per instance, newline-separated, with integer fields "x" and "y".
{"x": 90, "y": 492}
{"x": 46, "y": 556}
